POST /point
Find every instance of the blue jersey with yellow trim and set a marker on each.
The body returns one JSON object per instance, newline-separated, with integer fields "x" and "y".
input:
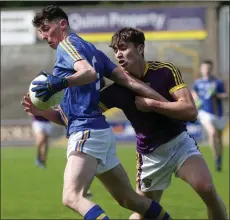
{"x": 206, "y": 90}
{"x": 79, "y": 107}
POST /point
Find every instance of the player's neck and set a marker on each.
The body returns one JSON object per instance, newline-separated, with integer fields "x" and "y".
{"x": 208, "y": 77}
{"x": 138, "y": 69}
{"x": 66, "y": 33}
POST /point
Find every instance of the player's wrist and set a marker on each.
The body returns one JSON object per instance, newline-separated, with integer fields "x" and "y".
{"x": 64, "y": 83}
{"x": 39, "y": 112}
{"x": 59, "y": 83}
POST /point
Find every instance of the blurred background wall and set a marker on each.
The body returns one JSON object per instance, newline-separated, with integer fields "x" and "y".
{"x": 184, "y": 33}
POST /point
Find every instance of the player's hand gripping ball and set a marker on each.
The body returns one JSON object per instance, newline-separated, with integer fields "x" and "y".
{"x": 41, "y": 93}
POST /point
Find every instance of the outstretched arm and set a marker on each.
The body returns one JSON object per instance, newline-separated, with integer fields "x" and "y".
{"x": 119, "y": 76}
{"x": 122, "y": 78}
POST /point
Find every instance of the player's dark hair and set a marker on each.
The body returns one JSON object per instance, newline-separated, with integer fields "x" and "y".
{"x": 208, "y": 62}
{"x": 49, "y": 13}
{"x": 126, "y": 35}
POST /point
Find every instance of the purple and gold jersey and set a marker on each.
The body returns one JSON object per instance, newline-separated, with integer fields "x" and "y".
{"x": 152, "y": 129}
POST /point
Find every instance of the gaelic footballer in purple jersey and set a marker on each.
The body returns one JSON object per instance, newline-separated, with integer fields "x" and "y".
{"x": 152, "y": 129}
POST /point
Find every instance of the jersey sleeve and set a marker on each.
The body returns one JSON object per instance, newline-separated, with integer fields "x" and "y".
{"x": 71, "y": 51}
{"x": 62, "y": 115}
{"x": 106, "y": 102}
{"x": 220, "y": 87}
{"x": 109, "y": 66}
{"x": 174, "y": 78}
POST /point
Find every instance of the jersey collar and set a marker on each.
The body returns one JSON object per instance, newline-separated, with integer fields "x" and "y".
{"x": 146, "y": 68}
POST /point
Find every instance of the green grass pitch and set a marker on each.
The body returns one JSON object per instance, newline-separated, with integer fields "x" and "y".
{"x": 28, "y": 192}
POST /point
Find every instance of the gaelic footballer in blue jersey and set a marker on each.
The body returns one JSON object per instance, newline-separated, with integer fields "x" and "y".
{"x": 91, "y": 147}
{"x": 209, "y": 92}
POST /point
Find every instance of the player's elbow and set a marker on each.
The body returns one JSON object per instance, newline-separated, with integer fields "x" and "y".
{"x": 192, "y": 113}
{"x": 92, "y": 75}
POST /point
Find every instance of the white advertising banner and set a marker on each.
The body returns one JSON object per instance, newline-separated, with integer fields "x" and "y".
{"x": 17, "y": 28}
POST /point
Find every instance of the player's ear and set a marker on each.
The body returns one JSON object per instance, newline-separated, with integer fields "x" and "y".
{"x": 141, "y": 48}
{"x": 63, "y": 24}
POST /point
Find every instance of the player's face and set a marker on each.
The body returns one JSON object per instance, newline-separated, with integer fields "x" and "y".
{"x": 205, "y": 70}
{"x": 52, "y": 32}
{"x": 127, "y": 55}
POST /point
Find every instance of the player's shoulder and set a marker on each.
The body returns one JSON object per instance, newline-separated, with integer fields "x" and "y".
{"x": 71, "y": 41}
{"x": 74, "y": 39}
{"x": 73, "y": 36}
{"x": 164, "y": 65}
{"x": 165, "y": 69}
{"x": 218, "y": 80}
{"x": 198, "y": 81}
